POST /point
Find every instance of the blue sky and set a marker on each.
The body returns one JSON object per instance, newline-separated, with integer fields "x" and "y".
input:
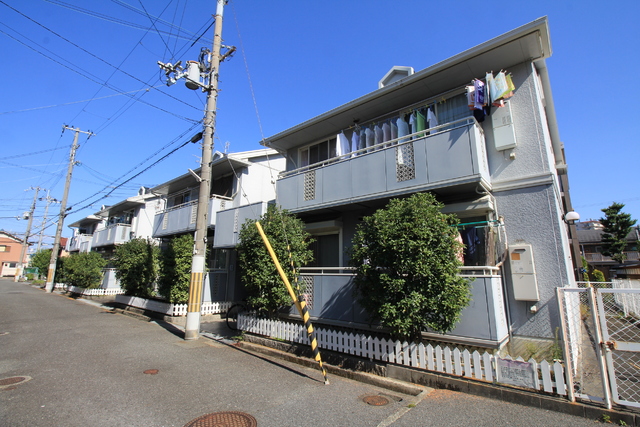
{"x": 302, "y": 58}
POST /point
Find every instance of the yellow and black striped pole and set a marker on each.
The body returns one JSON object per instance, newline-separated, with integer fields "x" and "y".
{"x": 300, "y": 303}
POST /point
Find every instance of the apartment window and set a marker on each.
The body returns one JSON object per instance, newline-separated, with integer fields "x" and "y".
{"x": 180, "y": 199}
{"x": 4, "y": 248}
{"x": 85, "y": 230}
{"x": 219, "y": 259}
{"x": 123, "y": 218}
{"x": 222, "y": 186}
{"x": 317, "y": 153}
{"x": 454, "y": 109}
{"x": 326, "y": 251}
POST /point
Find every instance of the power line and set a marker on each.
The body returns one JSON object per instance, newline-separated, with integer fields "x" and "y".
{"x": 32, "y": 153}
{"x": 134, "y": 168}
{"x": 153, "y": 24}
{"x": 94, "y": 55}
{"x": 121, "y": 21}
{"x": 77, "y": 102}
{"x": 94, "y": 79}
{"x": 134, "y": 176}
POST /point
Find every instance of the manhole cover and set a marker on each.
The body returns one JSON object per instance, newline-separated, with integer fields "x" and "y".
{"x": 151, "y": 371}
{"x": 12, "y": 381}
{"x": 224, "y": 419}
{"x": 375, "y": 400}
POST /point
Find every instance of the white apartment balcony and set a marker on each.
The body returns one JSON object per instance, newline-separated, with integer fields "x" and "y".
{"x": 80, "y": 243}
{"x": 114, "y": 234}
{"x": 182, "y": 218}
{"x": 452, "y": 158}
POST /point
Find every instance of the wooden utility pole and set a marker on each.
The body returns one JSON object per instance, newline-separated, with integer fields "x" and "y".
{"x": 195, "y": 71}
{"x": 63, "y": 209}
{"x": 198, "y": 264}
{"x": 44, "y": 219}
{"x": 25, "y": 242}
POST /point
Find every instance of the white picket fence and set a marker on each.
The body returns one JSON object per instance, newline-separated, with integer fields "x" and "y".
{"x": 172, "y": 309}
{"x": 92, "y": 292}
{"x": 550, "y": 377}
{"x": 206, "y": 308}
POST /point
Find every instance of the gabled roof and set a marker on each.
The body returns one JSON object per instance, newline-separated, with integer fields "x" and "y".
{"x": 528, "y": 42}
{"x": 396, "y": 73}
{"x": 91, "y": 219}
{"x": 124, "y": 205}
{"x": 10, "y": 236}
{"x": 595, "y": 235}
{"x": 222, "y": 164}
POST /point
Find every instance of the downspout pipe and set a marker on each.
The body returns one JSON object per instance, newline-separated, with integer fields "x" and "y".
{"x": 558, "y": 151}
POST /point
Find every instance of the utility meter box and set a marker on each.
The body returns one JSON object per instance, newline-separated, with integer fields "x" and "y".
{"x": 504, "y": 134}
{"x": 523, "y": 273}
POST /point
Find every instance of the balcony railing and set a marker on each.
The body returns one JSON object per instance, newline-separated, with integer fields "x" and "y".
{"x": 80, "y": 243}
{"x": 597, "y": 257}
{"x": 114, "y": 234}
{"x": 329, "y": 292}
{"x": 230, "y": 221}
{"x": 182, "y": 218}
{"x": 449, "y": 155}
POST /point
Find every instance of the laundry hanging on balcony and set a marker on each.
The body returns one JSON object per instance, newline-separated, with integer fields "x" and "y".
{"x": 343, "y": 146}
{"x": 481, "y": 96}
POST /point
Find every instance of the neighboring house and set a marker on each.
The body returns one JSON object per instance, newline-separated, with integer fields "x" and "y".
{"x": 242, "y": 185}
{"x": 10, "y": 250}
{"x": 591, "y": 246}
{"x": 503, "y": 175}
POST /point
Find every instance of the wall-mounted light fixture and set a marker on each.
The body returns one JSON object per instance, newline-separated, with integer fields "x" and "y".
{"x": 571, "y": 217}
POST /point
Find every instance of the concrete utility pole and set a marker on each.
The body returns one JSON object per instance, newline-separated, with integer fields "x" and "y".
{"x": 63, "y": 210}
{"x": 44, "y": 219}
{"x": 192, "y": 75}
{"x": 25, "y": 242}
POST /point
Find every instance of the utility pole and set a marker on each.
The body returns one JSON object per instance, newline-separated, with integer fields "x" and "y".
{"x": 63, "y": 209}
{"x": 25, "y": 242}
{"x": 193, "y": 73}
{"x": 44, "y": 220}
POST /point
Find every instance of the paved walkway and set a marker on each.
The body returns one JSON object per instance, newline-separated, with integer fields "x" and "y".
{"x": 86, "y": 366}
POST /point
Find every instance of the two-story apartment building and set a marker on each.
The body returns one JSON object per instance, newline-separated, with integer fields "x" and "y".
{"x": 499, "y": 167}
{"x": 242, "y": 185}
{"x": 115, "y": 224}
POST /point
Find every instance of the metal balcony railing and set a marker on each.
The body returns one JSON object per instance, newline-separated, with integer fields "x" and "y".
{"x": 448, "y": 155}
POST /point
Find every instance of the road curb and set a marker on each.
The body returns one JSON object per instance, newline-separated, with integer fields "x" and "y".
{"x": 412, "y": 381}
{"x": 372, "y": 379}
{"x": 408, "y": 380}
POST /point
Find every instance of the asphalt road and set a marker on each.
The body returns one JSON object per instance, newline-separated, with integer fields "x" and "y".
{"x": 87, "y": 368}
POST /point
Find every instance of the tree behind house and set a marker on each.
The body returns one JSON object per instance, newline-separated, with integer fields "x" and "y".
{"x": 136, "y": 264}
{"x": 617, "y": 226}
